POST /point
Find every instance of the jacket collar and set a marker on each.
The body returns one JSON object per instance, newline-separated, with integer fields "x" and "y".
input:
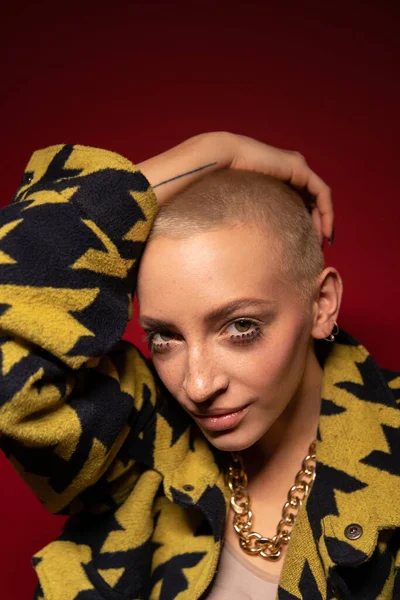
{"x": 358, "y": 457}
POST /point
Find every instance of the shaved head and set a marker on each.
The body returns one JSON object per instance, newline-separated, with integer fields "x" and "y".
{"x": 230, "y": 198}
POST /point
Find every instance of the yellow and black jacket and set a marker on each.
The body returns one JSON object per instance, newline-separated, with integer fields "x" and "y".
{"x": 86, "y": 422}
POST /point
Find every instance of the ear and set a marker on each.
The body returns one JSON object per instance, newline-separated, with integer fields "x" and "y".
{"x": 326, "y": 303}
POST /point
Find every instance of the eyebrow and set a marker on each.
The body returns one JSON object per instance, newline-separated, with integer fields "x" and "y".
{"x": 215, "y": 315}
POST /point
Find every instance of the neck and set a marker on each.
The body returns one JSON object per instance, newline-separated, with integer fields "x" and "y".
{"x": 289, "y": 438}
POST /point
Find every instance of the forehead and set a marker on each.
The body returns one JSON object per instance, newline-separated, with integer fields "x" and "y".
{"x": 207, "y": 269}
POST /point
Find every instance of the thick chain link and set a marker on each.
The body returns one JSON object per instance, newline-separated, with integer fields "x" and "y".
{"x": 251, "y": 541}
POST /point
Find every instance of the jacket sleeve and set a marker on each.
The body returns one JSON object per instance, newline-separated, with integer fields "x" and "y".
{"x": 72, "y": 394}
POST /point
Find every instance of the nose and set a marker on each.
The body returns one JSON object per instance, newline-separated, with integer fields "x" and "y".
{"x": 204, "y": 377}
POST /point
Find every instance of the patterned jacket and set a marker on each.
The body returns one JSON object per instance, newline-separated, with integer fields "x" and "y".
{"x": 87, "y": 424}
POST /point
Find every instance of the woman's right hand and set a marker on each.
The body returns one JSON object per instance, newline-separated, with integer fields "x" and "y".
{"x": 176, "y": 168}
{"x": 290, "y": 166}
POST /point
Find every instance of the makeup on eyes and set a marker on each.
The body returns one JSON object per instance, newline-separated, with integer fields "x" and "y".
{"x": 251, "y": 332}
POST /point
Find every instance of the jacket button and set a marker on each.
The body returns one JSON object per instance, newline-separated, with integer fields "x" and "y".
{"x": 335, "y": 591}
{"x": 353, "y": 531}
{"x": 188, "y": 488}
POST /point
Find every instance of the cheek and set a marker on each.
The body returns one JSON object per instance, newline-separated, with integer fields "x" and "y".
{"x": 171, "y": 373}
{"x": 275, "y": 369}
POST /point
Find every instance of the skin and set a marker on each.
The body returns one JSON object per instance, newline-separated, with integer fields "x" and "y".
{"x": 181, "y": 281}
{"x": 176, "y": 168}
{"x": 215, "y": 365}
{"x": 277, "y": 374}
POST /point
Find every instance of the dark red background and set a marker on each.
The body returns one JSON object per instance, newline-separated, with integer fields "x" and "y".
{"x": 322, "y": 78}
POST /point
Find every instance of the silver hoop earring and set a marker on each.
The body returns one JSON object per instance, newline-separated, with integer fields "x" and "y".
{"x": 331, "y": 336}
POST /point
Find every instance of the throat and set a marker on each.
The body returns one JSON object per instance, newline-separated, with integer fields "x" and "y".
{"x": 277, "y": 456}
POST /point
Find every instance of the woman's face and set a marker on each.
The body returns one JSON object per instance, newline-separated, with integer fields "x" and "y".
{"x": 229, "y": 338}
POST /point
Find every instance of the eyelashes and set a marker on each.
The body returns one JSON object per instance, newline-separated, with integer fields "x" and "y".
{"x": 252, "y": 333}
{"x": 246, "y": 338}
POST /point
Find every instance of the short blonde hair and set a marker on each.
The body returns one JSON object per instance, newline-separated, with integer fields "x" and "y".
{"x": 230, "y": 197}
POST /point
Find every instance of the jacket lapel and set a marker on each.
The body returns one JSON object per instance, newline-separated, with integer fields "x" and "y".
{"x": 350, "y": 507}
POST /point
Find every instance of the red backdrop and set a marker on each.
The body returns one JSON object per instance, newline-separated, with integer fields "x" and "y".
{"x": 322, "y": 78}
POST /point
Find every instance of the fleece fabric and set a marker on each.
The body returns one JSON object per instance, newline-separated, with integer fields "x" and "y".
{"x": 89, "y": 426}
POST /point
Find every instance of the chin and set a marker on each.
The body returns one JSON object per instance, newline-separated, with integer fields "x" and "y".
{"x": 232, "y": 440}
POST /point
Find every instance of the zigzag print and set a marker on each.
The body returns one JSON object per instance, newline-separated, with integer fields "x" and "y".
{"x": 87, "y": 423}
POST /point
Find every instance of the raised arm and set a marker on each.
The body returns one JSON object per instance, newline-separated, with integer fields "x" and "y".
{"x": 74, "y": 400}
{"x": 176, "y": 168}
{"x": 70, "y": 242}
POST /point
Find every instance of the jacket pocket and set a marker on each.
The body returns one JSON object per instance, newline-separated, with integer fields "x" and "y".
{"x": 106, "y": 592}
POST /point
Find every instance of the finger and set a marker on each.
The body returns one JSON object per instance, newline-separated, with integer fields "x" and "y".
{"x": 294, "y": 153}
{"x": 291, "y": 166}
{"x": 316, "y": 217}
{"x": 303, "y": 176}
{"x": 323, "y": 195}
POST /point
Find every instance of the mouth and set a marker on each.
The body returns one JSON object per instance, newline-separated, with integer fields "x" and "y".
{"x": 221, "y": 421}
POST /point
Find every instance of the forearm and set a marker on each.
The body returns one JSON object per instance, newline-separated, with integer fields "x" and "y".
{"x": 73, "y": 237}
{"x": 174, "y": 169}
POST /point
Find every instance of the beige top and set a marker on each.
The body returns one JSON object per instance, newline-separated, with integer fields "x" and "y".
{"x": 238, "y": 579}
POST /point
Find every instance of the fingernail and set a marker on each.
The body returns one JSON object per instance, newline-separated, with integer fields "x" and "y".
{"x": 330, "y": 241}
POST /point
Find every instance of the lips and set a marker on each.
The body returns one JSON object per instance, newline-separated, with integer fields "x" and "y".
{"x": 219, "y": 412}
{"x": 221, "y": 420}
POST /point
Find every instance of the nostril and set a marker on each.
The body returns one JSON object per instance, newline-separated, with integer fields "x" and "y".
{"x": 206, "y": 399}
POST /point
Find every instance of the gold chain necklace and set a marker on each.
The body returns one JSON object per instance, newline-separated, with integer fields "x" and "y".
{"x": 251, "y": 541}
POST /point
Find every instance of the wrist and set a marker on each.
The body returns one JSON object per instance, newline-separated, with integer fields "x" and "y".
{"x": 174, "y": 169}
{"x": 221, "y": 146}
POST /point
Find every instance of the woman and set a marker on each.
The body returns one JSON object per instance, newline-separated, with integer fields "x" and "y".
{"x": 138, "y": 452}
